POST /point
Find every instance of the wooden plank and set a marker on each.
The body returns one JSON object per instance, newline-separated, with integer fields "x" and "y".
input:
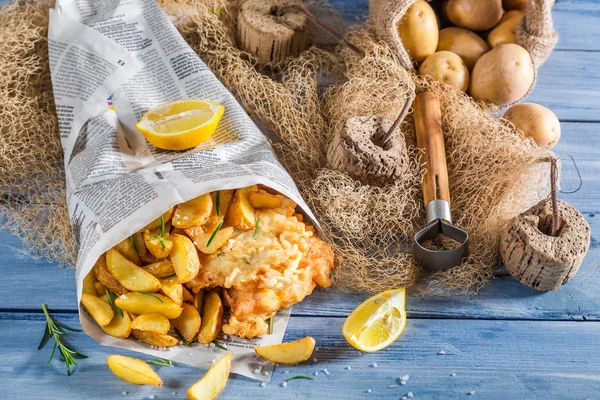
{"x": 496, "y": 359}
{"x": 505, "y": 298}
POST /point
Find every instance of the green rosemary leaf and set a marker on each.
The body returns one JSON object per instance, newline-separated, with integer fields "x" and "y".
{"x": 212, "y": 237}
{"x": 300, "y": 377}
{"x": 169, "y": 276}
{"x": 220, "y": 347}
{"x": 161, "y": 361}
{"x": 151, "y": 295}
{"x": 218, "y": 202}
{"x": 180, "y": 337}
{"x": 133, "y": 245}
{"x": 255, "y": 227}
{"x": 61, "y": 325}
{"x": 52, "y": 354}
{"x": 111, "y": 297}
{"x": 44, "y": 338}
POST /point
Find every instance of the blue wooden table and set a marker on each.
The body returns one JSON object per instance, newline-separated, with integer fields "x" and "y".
{"x": 509, "y": 342}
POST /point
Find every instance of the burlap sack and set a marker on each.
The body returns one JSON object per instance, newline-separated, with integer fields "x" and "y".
{"x": 535, "y": 32}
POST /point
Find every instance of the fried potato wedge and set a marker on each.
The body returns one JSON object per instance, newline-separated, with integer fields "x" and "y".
{"x": 188, "y": 323}
{"x": 299, "y": 217}
{"x": 240, "y": 214}
{"x": 119, "y": 326}
{"x": 198, "y": 301}
{"x": 187, "y": 296}
{"x": 262, "y": 199}
{"x": 155, "y": 339}
{"x": 161, "y": 269}
{"x": 106, "y": 278}
{"x": 100, "y": 288}
{"x": 184, "y": 258}
{"x": 159, "y": 246}
{"x": 153, "y": 322}
{"x": 89, "y": 284}
{"x": 172, "y": 289}
{"x": 193, "y": 212}
{"x": 212, "y": 318}
{"x": 128, "y": 249}
{"x": 133, "y": 370}
{"x": 213, "y": 382}
{"x": 290, "y": 353}
{"x": 100, "y": 311}
{"x": 221, "y": 200}
{"x": 129, "y": 275}
{"x": 219, "y": 239}
{"x": 146, "y": 303}
{"x": 158, "y": 222}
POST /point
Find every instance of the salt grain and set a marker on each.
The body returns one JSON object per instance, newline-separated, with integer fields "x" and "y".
{"x": 404, "y": 398}
{"x": 213, "y": 361}
{"x": 225, "y": 337}
{"x": 284, "y": 384}
{"x": 315, "y": 359}
{"x": 471, "y": 393}
{"x": 441, "y": 352}
{"x": 151, "y": 396}
{"x": 374, "y": 365}
{"x": 174, "y": 393}
{"x": 316, "y": 373}
{"x": 212, "y": 344}
{"x": 369, "y": 390}
{"x": 263, "y": 384}
{"x": 405, "y": 378}
{"x": 266, "y": 373}
{"x": 348, "y": 367}
{"x": 403, "y": 382}
{"x": 409, "y": 395}
{"x": 256, "y": 371}
{"x": 286, "y": 372}
{"x": 124, "y": 393}
{"x": 326, "y": 371}
{"x": 453, "y": 374}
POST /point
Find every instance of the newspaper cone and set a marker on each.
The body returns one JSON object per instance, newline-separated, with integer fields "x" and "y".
{"x": 109, "y": 65}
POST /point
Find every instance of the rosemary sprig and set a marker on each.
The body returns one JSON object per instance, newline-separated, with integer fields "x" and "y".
{"x": 53, "y": 329}
{"x": 300, "y": 377}
{"x": 151, "y": 295}
{"x": 219, "y": 346}
{"x": 133, "y": 245}
{"x": 111, "y": 297}
{"x": 169, "y": 276}
{"x": 271, "y": 325}
{"x": 161, "y": 234}
{"x": 212, "y": 237}
{"x": 218, "y": 201}
{"x": 180, "y": 337}
{"x": 255, "y": 227}
{"x": 162, "y": 362}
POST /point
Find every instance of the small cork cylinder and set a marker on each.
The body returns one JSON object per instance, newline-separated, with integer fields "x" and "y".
{"x": 357, "y": 150}
{"x": 537, "y": 259}
{"x": 271, "y": 30}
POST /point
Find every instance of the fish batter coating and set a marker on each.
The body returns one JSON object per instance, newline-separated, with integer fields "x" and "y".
{"x": 267, "y": 270}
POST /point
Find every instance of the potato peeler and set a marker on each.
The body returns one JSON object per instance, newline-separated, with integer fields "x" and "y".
{"x": 436, "y": 193}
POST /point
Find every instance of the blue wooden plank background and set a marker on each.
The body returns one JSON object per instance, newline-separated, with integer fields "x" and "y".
{"x": 508, "y": 342}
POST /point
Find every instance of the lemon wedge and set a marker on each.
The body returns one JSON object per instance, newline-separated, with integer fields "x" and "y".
{"x": 182, "y": 124}
{"x": 377, "y": 322}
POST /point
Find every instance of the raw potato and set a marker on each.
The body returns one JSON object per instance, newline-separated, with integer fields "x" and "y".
{"x": 100, "y": 311}
{"x": 448, "y": 68}
{"x": 219, "y": 240}
{"x": 106, "y": 278}
{"x": 213, "y": 382}
{"x": 464, "y": 43}
{"x": 157, "y": 247}
{"x": 89, "y": 284}
{"x": 153, "y": 322}
{"x": 290, "y": 353}
{"x": 240, "y": 214}
{"x": 514, "y": 4}
{"x": 188, "y": 323}
{"x": 173, "y": 289}
{"x": 505, "y": 31}
{"x": 144, "y": 303}
{"x": 119, "y": 327}
{"x": 184, "y": 258}
{"x": 162, "y": 269}
{"x": 503, "y": 75}
{"x": 155, "y": 339}
{"x": 157, "y": 222}
{"x": 262, "y": 199}
{"x": 212, "y": 318}
{"x": 133, "y": 370}
{"x": 476, "y": 15}
{"x": 418, "y": 31}
{"x": 128, "y": 249}
{"x": 193, "y": 212}
{"x": 536, "y": 122}
{"x": 129, "y": 275}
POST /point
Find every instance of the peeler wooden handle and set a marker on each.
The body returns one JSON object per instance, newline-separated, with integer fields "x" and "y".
{"x": 428, "y": 126}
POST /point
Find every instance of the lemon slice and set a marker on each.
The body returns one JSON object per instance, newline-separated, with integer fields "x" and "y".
{"x": 182, "y": 124}
{"x": 377, "y": 322}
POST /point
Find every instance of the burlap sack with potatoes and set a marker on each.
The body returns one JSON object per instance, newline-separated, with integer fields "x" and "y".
{"x": 535, "y": 33}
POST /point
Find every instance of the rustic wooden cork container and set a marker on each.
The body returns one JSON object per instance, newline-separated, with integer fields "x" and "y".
{"x": 358, "y": 150}
{"x": 271, "y": 30}
{"x": 537, "y": 259}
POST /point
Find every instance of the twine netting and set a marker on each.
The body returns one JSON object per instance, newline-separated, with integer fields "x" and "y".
{"x": 494, "y": 172}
